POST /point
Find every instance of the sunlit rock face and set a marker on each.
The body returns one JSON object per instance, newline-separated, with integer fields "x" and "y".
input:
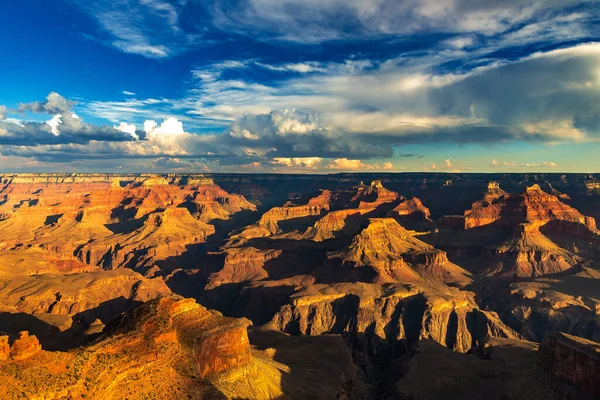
{"x": 347, "y": 284}
{"x": 524, "y": 235}
{"x": 175, "y": 348}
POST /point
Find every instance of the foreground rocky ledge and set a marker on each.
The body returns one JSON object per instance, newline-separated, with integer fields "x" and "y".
{"x": 569, "y": 367}
{"x": 174, "y": 348}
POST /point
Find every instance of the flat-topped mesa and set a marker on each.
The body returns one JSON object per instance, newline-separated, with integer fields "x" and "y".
{"x": 25, "y": 346}
{"x": 533, "y": 206}
{"x": 194, "y": 182}
{"x": 569, "y": 367}
{"x": 395, "y": 255}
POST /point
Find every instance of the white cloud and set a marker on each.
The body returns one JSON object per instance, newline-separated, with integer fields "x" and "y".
{"x": 54, "y": 123}
{"x": 344, "y": 164}
{"x": 448, "y": 164}
{"x": 169, "y": 127}
{"x": 302, "y": 162}
{"x": 128, "y": 128}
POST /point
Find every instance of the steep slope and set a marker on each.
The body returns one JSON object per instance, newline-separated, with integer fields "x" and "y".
{"x": 163, "y": 234}
{"x": 175, "y": 348}
{"x": 390, "y": 313}
{"x": 508, "y": 235}
{"x": 529, "y": 254}
{"x": 269, "y": 223}
{"x": 396, "y": 255}
{"x": 412, "y": 214}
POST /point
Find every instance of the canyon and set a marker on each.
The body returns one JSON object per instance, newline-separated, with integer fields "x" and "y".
{"x": 408, "y": 286}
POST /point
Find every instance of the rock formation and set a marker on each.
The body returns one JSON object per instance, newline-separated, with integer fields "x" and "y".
{"x": 569, "y": 367}
{"x": 4, "y": 348}
{"x": 24, "y": 347}
{"x": 393, "y": 254}
{"x": 412, "y": 214}
{"x": 513, "y": 235}
{"x": 391, "y": 313}
{"x": 424, "y": 296}
{"x": 175, "y": 348}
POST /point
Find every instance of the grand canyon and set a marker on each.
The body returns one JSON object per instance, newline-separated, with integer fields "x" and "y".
{"x": 261, "y": 286}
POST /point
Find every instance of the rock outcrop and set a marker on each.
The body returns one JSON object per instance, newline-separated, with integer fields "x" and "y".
{"x": 4, "y": 348}
{"x": 24, "y": 347}
{"x": 175, "y": 348}
{"x": 528, "y": 254}
{"x": 522, "y": 235}
{"x": 242, "y": 265}
{"x": 569, "y": 367}
{"x": 532, "y": 206}
{"x": 391, "y": 313}
{"x": 389, "y": 253}
{"x": 269, "y": 223}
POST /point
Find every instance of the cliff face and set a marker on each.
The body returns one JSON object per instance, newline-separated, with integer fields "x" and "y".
{"x": 242, "y": 265}
{"x": 163, "y": 234}
{"x": 528, "y": 254}
{"x": 391, "y": 313}
{"x": 412, "y": 214}
{"x": 69, "y": 303}
{"x": 175, "y": 348}
{"x": 537, "y": 308}
{"x": 533, "y": 206}
{"x": 569, "y": 367}
{"x": 269, "y": 223}
{"x": 523, "y": 235}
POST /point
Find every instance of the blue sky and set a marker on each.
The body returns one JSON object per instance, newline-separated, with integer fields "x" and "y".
{"x": 300, "y": 86}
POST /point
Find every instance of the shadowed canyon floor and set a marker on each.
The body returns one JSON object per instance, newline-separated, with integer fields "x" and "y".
{"x": 409, "y": 286}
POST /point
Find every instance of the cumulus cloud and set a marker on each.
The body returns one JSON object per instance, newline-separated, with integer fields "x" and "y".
{"x": 54, "y": 104}
{"x": 290, "y": 133}
{"x": 448, "y": 164}
{"x": 344, "y": 164}
{"x": 128, "y": 128}
{"x": 302, "y": 162}
{"x": 64, "y": 125}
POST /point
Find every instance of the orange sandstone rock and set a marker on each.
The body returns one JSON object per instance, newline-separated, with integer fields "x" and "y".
{"x": 25, "y": 346}
{"x": 4, "y": 348}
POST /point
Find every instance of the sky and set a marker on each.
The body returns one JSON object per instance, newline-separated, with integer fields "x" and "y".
{"x": 300, "y": 86}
